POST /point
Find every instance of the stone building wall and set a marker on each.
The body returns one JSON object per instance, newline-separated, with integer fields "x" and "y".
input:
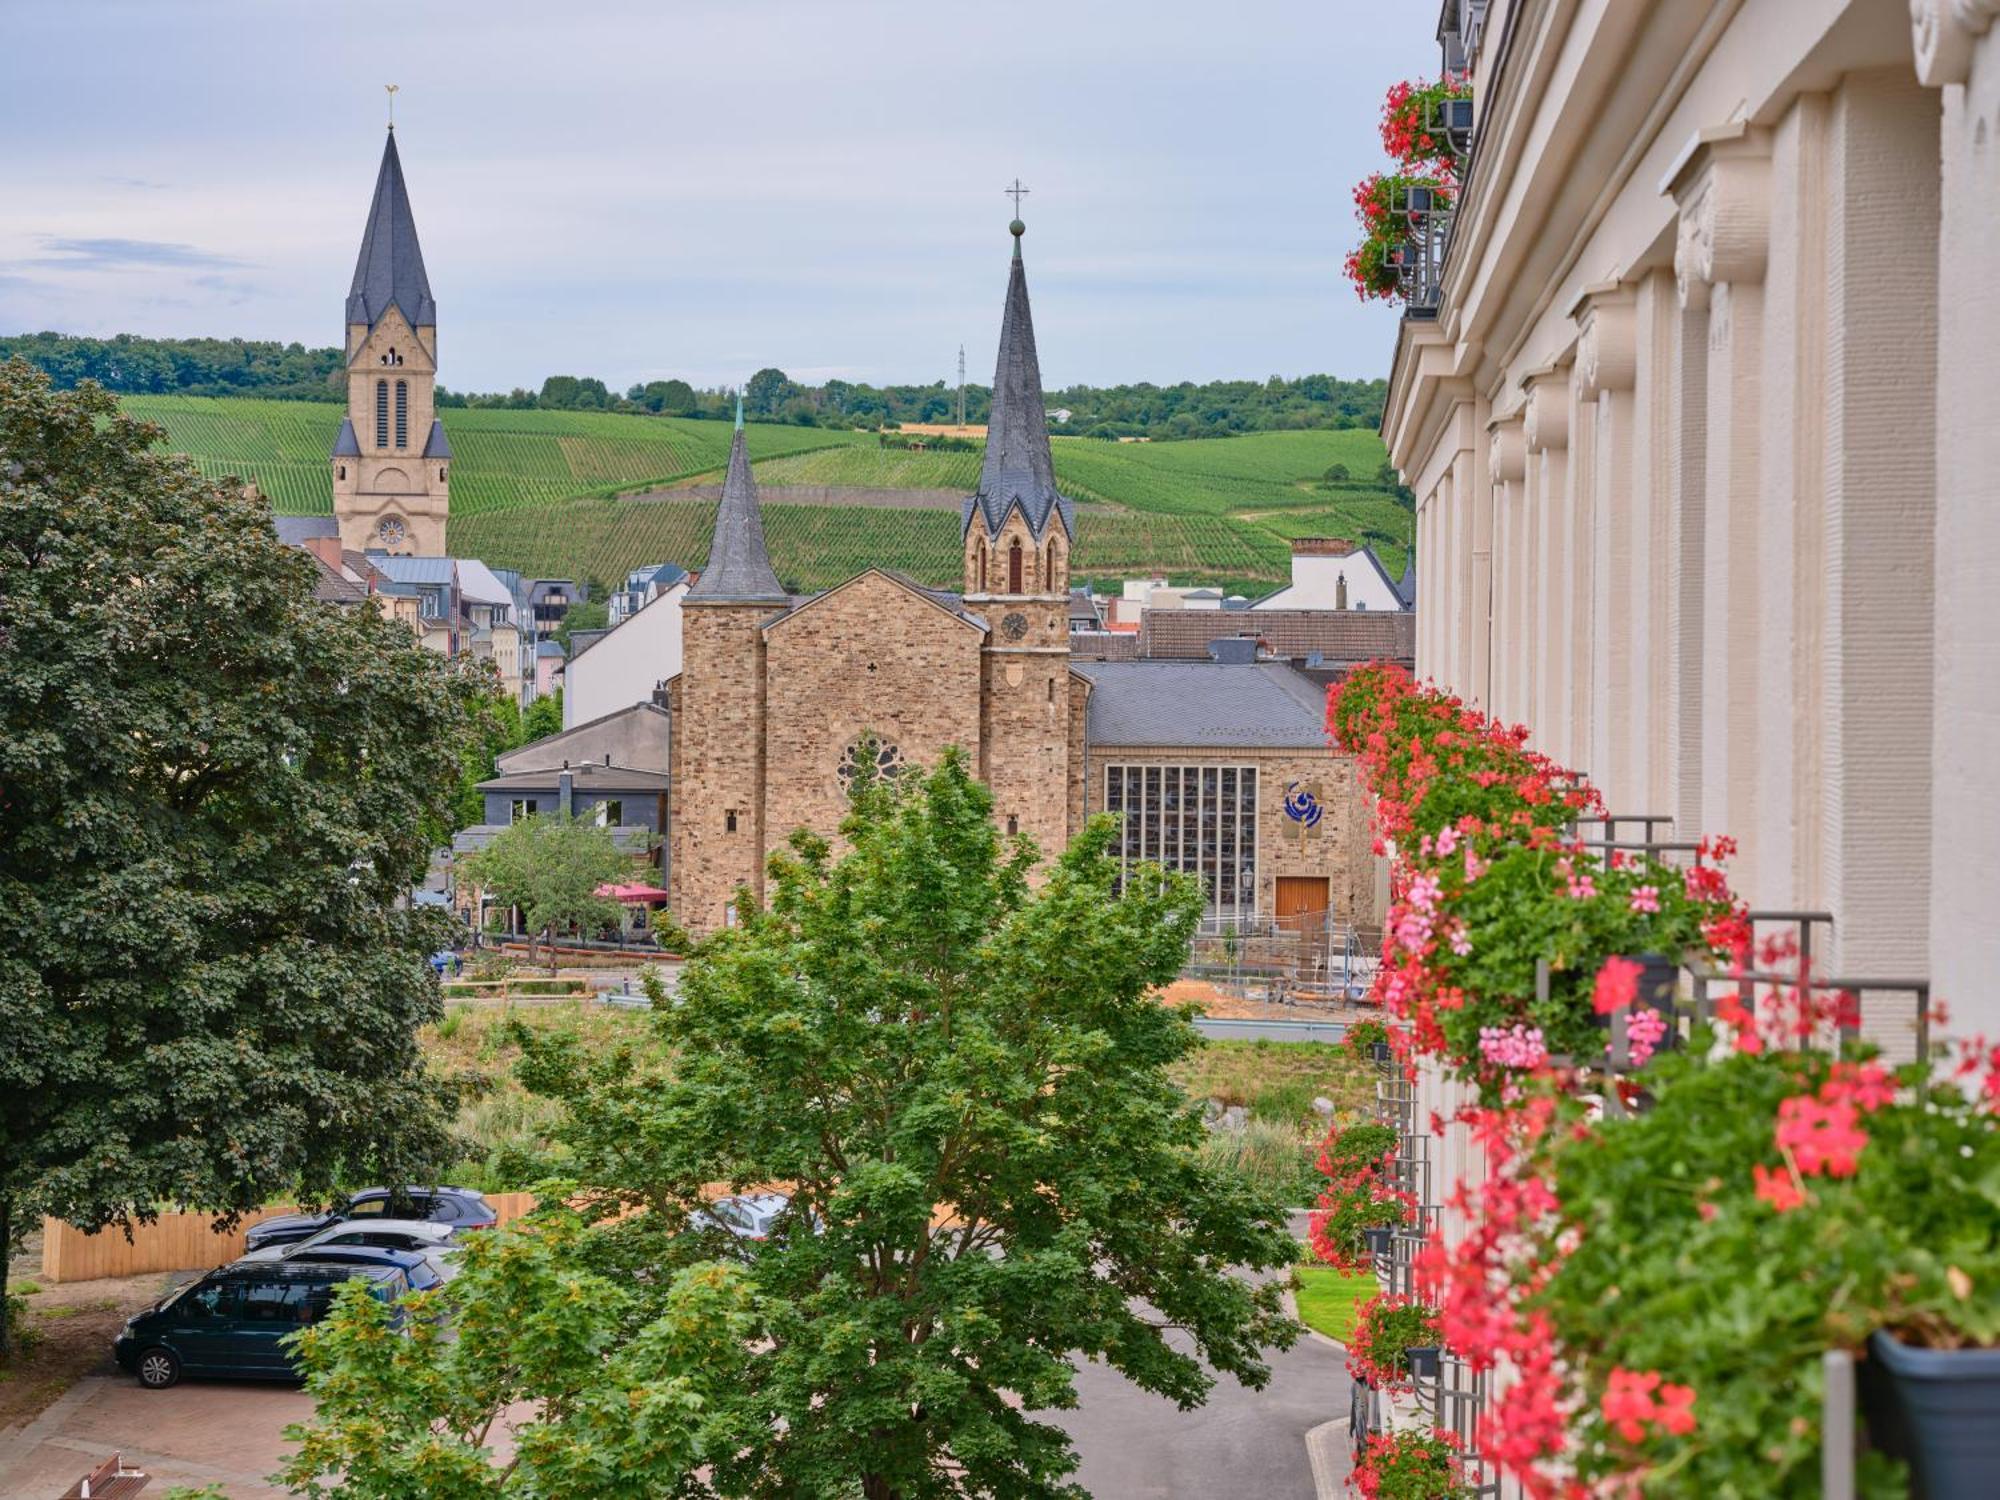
{"x": 391, "y": 481}
{"x": 1337, "y": 848}
{"x": 871, "y": 657}
{"x": 717, "y": 706}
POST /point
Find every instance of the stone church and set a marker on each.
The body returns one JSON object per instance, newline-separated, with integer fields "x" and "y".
{"x": 391, "y": 463}
{"x": 1219, "y": 767}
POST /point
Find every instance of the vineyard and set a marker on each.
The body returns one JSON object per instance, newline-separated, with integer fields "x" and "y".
{"x": 534, "y": 490}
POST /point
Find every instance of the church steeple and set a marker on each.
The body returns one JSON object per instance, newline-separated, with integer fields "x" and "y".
{"x": 390, "y": 268}
{"x": 1018, "y": 468}
{"x": 739, "y": 568}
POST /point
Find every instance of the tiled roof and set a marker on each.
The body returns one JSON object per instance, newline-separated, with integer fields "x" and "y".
{"x": 437, "y": 445}
{"x": 390, "y": 268}
{"x": 1103, "y": 645}
{"x": 296, "y": 531}
{"x": 1335, "y": 634}
{"x": 332, "y": 586}
{"x": 345, "y": 444}
{"x": 1203, "y": 705}
{"x": 587, "y": 776}
{"x": 738, "y": 568}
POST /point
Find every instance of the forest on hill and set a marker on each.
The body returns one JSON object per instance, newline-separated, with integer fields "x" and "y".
{"x": 131, "y": 365}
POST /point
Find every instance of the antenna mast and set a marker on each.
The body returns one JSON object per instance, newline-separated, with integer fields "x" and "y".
{"x": 961, "y": 385}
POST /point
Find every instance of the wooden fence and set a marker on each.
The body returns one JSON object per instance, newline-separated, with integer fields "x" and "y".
{"x": 176, "y": 1242}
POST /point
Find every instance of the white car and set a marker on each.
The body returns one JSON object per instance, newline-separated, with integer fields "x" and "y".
{"x": 748, "y": 1216}
{"x": 434, "y": 1241}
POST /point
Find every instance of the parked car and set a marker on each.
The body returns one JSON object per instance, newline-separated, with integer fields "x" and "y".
{"x": 747, "y": 1216}
{"x": 234, "y": 1321}
{"x": 426, "y": 1237}
{"x": 459, "y": 1207}
{"x": 418, "y": 1268}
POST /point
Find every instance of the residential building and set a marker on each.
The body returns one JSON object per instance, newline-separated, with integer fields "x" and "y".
{"x": 642, "y": 586}
{"x": 628, "y": 664}
{"x": 455, "y": 606}
{"x": 1333, "y": 573}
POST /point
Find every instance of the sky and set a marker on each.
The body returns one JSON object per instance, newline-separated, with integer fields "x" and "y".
{"x": 643, "y": 189}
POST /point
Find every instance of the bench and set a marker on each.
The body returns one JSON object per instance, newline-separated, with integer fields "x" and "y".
{"x": 110, "y": 1480}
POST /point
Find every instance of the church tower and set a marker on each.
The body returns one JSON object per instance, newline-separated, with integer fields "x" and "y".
{"x": 391, "y": 463}
{"x": 718, "y": 708}
{"x": 1018, "y": 533}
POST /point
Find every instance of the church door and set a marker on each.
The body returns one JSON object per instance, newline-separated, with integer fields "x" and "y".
{"x": 1301, "y": 902}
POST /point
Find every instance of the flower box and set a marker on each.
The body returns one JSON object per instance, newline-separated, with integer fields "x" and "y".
{"x": 1378, "y": 1239}
{"x": 1422, "y": 1361}
{"x": 1937, "y": 1409}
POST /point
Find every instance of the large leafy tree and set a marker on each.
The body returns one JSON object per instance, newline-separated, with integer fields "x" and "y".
{"x": 214, "y": 796}
{"x": 965, "y": 1080}
{"x": 551, "y": 866}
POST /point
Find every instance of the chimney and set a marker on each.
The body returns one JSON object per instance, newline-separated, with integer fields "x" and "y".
{"x": 565, "y": 793}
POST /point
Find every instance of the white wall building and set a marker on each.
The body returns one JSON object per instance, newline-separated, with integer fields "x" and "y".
{"x": 1331, "y": 573}
{"x": 626, "y": 665}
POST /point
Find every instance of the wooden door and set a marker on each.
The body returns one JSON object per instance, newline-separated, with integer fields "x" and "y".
{"x": 1301, "y": 901}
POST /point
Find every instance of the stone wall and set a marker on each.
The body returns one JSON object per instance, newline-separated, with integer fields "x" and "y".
{"x": 717, "y": 705}
{"x": 871, "y": 657}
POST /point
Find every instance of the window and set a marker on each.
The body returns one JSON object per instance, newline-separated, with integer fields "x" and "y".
{"x": 433, "y": 605}
{"x": 402, "y": 414}
{"x": 381, "y": 413}
{"x": 1013, "y": 824}
{"x": 218, "y": 1299}
{"x": 611, "y": 813}
{"x": 1200, "y": 819}
{"x": 867, "y": 760}
{"x": 276, "y": 1301}
{"x": 729, "y": 821}
{"x": 1014, "y": 568}
{"x": 523, "y": 809}
{"x": 982, "y": 567}
{"x": 340, "y": 472}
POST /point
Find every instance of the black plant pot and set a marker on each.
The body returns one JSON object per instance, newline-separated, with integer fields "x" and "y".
{"x": 1379, "y": 1051}
{"x": 1937, "y": 1409}
{"x": 1377, "y": 1240}
{"x": 1418, "y": 200}
{"x": 1422, "y": 1360}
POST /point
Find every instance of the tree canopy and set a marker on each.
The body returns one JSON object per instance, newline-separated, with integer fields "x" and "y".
{"x": 550, "y": 866}
{"x": 218, "y": 793}
{"x": 963, "y": 1078}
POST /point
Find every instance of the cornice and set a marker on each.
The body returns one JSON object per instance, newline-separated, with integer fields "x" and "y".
{"x": 1943, "y": 34}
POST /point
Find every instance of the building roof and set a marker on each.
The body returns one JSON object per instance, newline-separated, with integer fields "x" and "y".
{"x": 590, "y": 776}
{"x": 1103, "y": 645}
{"x": 1406, "y": 586}
{"x": 412, "y": 570}
{"x": 477, "y": 585}
{"x": 296, "y": 531}
{"x": 1335, "y": 634}
{"x": 437, "y": 445}
{"x": 390, "y": 268}
{"x": 549, "y": 648}
{"x": 1081, "y": 605}
{"x": 637, "y": 734}
{"x": 333, "y": 586}
{"x": 345, "y": 444}
{"x": 1017, "y": 469}
{"x": 1254, "y": 706}
{"x": 1318, "y": 546}
{"x": 739, "y": 568}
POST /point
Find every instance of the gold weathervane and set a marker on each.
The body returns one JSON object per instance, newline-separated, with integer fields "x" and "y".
{"x": 392, "y": 103}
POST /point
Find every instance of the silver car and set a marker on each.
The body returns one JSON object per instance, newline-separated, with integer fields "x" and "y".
{"x": 434, "y": 1241}
{"x": 747, "y": 1216}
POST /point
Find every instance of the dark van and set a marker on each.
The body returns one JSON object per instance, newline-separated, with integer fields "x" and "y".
{"x": 234, "y": 1321}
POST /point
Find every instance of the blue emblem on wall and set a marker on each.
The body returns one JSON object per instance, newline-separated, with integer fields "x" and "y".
{"x": 1302, "y": 805}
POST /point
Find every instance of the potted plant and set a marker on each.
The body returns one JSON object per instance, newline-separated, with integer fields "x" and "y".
{"x": 1393, "y": 1334}
{"x": 1418, "y": 120}
{"x": 1411, "y": 1465}
{"x": 1360, "y": 1204}
{"x": 1935, "y": 1409}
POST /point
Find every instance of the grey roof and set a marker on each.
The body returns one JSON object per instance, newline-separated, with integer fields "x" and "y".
{"x": 345, "y": 444}
{"x": 1201, "y": 704}
{"x": 1018, "y": 469}
{"x": 296, "y": 531}
{"x": 549, "y": 648}
{"x": 332, "y": 586}
{"x": 1406, "y": 586}
{"x": 1081, "y": 605}
{"x": 390, "y": 268}
{"x": 739, "y": 569}
{"x": 437, "y": 445}
{"x": 413, "y": 569}
{"x": 586, "y": 776}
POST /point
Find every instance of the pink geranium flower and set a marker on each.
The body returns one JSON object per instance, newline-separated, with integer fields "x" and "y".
{"x": 1646, "y": 898}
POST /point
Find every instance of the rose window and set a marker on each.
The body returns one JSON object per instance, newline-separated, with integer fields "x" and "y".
{"x": 868, "y": 760}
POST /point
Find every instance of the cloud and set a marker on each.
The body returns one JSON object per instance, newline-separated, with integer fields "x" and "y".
{"x": 61, "y": 254}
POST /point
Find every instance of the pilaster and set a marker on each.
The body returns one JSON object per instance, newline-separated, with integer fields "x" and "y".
{"x": 1607, "y": 365}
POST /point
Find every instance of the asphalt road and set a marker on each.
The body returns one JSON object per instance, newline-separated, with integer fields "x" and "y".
{"x": 1137, "y": 1446}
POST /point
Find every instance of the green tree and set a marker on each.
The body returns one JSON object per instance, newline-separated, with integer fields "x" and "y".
{"x": 766, "y": 391}
{"x": 217, "y": 791}
{"x": 496, "y": 729}
{"x": 624, "y": 1403}
{"x": 543, "y": 718}
{"x": 966, "y": 1080}
{"x": 550, "y": 867}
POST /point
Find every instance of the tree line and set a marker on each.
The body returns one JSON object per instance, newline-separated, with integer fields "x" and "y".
{"x": 132, "y": 365}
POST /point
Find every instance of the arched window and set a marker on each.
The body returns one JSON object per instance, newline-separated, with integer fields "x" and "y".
{"x": 340, "y": 472}
{"x": 381, "y": 413}
{"x": 402, "y": 414}
{"x": 1014, "y": 568}
{"x": 1049, "y": 569}
{"x": 982, "y": 567}
{"x": 440, "y": 471}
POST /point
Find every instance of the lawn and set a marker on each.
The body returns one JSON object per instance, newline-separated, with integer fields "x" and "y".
{"x": 1329, "y": 1299}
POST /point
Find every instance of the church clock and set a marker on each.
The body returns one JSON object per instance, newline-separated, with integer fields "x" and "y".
{"x": 391, "y": 531}
{"x": 1014, "y": 626}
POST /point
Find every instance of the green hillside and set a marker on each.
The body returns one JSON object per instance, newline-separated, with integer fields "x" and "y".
{"x": 535, "y": 490}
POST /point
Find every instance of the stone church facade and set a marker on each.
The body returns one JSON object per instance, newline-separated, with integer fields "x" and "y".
{"x": 391, "y": 463}
{"x": 1220, "y": 768}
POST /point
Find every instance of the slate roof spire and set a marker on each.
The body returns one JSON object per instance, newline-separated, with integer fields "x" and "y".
{"x": 1018, "y": 468}
{"x": 739, "y": 569}
{"x": 390, "y": 268}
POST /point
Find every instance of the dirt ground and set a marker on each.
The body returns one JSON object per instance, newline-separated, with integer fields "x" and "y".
{"x": 1223, "y": 1006}
{"x": 70, "y": 1328}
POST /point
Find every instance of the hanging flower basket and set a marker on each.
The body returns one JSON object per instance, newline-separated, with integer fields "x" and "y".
{"x": 1418, "y": 121}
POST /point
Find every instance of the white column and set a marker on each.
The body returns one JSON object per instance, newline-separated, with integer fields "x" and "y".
{"x": 1687, "y": 557}
{"x": 1578, "y": 587}
{"x": 1958, "y": 50}
{"x": 1606, "y": 372}
{"x": 1545, "y": 432}
{"x": 1506, "y": 464}
{"x": 1722, "y": 190}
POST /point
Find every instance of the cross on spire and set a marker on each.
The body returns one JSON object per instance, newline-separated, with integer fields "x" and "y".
{"x": 391, "y": 88}
{"x": 1017, "y": 193}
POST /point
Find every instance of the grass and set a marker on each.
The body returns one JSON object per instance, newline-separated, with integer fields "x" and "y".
{"x": 535, "y": 490}
{"x": 1329, "y": 1299}
{"x": 1277, "y": 1081}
